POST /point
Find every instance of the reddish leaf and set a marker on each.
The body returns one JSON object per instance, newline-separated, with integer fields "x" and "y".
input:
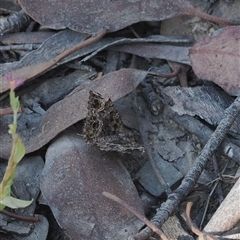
{"x": 217, "y": 58}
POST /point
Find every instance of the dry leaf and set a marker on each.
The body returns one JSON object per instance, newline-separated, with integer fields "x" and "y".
{"x": 74, "y": 177}
{"x": 37, "y": 61}
{"x": 217, "y": 58}
{"x": 71, "y": 109}
{"x": 90, "y": 16}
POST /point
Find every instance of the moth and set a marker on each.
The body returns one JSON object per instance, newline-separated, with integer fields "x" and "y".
{"x": 103, "y": 126}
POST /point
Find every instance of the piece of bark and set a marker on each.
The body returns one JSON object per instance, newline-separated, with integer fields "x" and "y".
{"x": 173, "y": 229}
{"x": 203, "y": 132}
{"x": 207, "y": 102}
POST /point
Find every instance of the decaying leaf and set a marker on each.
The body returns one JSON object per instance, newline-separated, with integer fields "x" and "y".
{"x": 38, "y": 61}
{"x": 90, "y": 16}
{"x": 71, "y": 109}
{"x": 217, "y": 58}
{"x": 74, "y": 177}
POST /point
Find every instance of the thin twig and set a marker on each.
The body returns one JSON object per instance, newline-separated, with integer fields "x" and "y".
{"x": 207, "y": 203}
{"x": 192, "y": 176}
{"x": 192, "y": 11}
{"x": 192, "y": 227}
{"x": 14, "y": 215}
{"x": 137, "y": 214}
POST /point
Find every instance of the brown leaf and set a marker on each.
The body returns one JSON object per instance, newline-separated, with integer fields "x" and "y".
{"x": 217, "y": 58}
{"x": 74, "y": 177}
{"x": 71, "y": 109}
{"x": 90, "y": 16}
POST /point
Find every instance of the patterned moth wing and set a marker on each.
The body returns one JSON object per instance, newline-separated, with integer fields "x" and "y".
{"x": 103, "y": 126}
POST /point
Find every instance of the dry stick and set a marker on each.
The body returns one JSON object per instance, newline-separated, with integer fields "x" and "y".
{"x": 192, "y": 227}
{"x": 206, "y": 205}
{"x": 193, "y": 174}
{"x": 14, "y": 215}
{"x": 132, "y": 210}
{"x": 192, "y": 11}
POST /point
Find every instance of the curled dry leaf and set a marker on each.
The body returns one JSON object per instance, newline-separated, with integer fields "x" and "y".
{"x": 74, "y": 177}
{"x": 217, "y": 58}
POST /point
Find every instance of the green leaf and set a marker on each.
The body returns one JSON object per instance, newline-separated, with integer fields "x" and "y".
{"x": 14, "y": 101}
{"x": 12, "y": 202}
{"x": 19, "y": 150}
{"x": 2, "y": 207}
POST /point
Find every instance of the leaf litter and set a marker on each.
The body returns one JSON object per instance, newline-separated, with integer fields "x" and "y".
{"x": 72, "y": 168}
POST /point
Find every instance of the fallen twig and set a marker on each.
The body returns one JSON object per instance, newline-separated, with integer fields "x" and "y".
{"x": 23, "y": 218}
{"x": 192, "y": 176}
{"x": 132, "y": 210}
{"x": 192, "y": 227}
